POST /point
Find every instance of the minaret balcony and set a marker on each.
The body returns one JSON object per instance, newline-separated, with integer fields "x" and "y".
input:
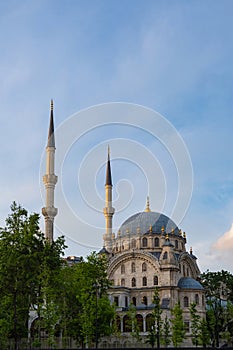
{"x": 49, "y": 212}
{"x": 50, "y": 178}
{"x": 109, "y": 211}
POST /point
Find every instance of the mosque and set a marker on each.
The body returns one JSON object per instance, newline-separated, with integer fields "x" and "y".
{"x": 148, "y": 252}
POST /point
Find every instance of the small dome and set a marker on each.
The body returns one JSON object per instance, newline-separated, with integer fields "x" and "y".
{"x": 189, "y": 283}
{"x": 142, "y": 222}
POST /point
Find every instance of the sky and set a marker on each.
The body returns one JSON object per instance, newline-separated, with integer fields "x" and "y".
{"x": 154, "y": 80}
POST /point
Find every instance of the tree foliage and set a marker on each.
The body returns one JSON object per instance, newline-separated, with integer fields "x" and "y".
{"x": 27, "y": 263}
{"x": 34, "y": 278}
{"x": 218, "y": 285}
{"x": 178, "y": 331}
{"x": 195, "y": 323}
{"x": 166, "y": 333}
{"x": 204, "y": 335}
{"x": 132, "y": 322}
{"x": 219, "y": 295}
{"x": 85, "y": 306}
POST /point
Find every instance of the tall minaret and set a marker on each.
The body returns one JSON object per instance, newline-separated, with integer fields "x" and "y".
{"x": 50, "y": 180}
{"x": 108, "y": 210}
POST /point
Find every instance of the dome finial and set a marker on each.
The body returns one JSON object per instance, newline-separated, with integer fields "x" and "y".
{"x": 147, "y": 205}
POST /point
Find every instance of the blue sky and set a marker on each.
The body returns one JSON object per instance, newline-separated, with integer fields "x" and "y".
{"x": 174, "y": 57}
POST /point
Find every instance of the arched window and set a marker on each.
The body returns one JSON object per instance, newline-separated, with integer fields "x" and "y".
{"x": 126, "y": 324}
{"x": 122, "y": 268}
{"x": 116, "y": 344}
{"x": 149, "y": 322}
{"x": 133, "y": 243}
{"x": 144, "y": 300}
{"x": 197, "y": 299}
{"x": 133, "y": 267}
{"x": 134, "y": 301}
{"x": 118, "y": 322}
{"x": 186, "y": 326}
{"x": 184, "y": 271}
{"x": 165, "y": 255}
{"x": 203, "y": 300}
{"x": 139, "y": 319}
{"x": 187, "y": 272}
{"x": 144, "y": 242}
{"x": 123, "y": 245}
{"x": 156, "y": 242}
{"x": 144, "y": 267}
{"x": 144, "y": 281}
{"x": 186, "y": 302}
{"x": 126, "y": 344}
{"x": 116, "y": 247}
{"x": 105, "y": 344}
{"x": 133, "y": 283}
{"x": 176, "y": 244}
{"x": 126, "y": 301}
{"x": 156, "y": 280}
{"x": 122, "y": 282}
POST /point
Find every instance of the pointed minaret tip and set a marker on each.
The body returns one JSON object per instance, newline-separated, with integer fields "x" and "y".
{"x": 108, "y": 181}
{"x": 147, "y": 205}
{"x": 51, "y": 139}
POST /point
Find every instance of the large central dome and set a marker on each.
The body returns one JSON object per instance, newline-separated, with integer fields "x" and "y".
{"x": 147, "y": 222}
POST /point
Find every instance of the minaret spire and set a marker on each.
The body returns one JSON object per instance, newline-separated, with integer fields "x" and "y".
{"x": 51, "y": 138}
{"x": 50, "y": 180}
{"x": 108, "y": 210}
{"x": 108, "y": 181}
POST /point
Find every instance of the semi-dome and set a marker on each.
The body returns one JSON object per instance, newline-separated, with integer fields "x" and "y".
{"x": 148, "y": 221}
{"x": 189, "y": 283}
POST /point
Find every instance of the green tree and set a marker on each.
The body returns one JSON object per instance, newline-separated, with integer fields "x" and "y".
{"x": 166, "y": 332}
{"x": 204, "y": 335}
{"x": 151, "y": 337}
{"x": 178, "y": 331}
{"x": 49, "y": 287}
{"x": 87, "y": 312}
{"x": 18, "y": 242}
{"x": 218, "y": 289}
{"x": 195, "y": 323}
{"x": 133, "y": 322}
{"x": 227, "y": 327}
{"x": 69, "y": 305}
{"x": 218, "y": 284}
{"x": 157, "y": 315}
{"x": 24, "y": 257}
{"x": 154, "y": 333}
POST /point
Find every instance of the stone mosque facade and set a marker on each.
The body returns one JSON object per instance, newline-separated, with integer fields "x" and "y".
{"x": 147, "y": 252}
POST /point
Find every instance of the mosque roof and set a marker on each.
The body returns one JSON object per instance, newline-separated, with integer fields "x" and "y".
{"x": 189, "y": 283}
{"x": 148, "y": 222}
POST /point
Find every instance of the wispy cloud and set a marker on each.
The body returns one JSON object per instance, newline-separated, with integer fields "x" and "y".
{"x": 224, "y": 244}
